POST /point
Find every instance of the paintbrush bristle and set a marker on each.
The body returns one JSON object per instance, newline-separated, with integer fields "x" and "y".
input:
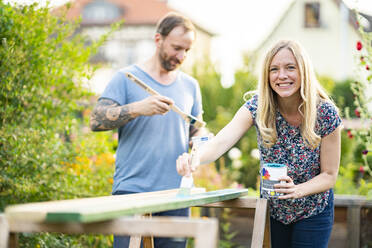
{"x": 199, "y": 124}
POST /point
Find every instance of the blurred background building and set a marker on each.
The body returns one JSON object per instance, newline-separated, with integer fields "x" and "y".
{"x": 326, "y": 28}
{"x": 133, "y": 42}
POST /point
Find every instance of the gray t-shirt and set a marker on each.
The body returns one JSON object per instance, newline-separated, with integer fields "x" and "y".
{"x": 150, "y": 145}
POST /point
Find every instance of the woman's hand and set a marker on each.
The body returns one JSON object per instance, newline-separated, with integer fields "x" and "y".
{"x": 184, "y": 165}
{"x": 290, "y": 190}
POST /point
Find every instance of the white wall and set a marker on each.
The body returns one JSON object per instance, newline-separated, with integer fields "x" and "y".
{"x": 331, "y": 47}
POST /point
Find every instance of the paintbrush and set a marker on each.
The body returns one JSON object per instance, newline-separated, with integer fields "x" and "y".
{"x": 187, "y": 182}
{"x": 188, "y": 118}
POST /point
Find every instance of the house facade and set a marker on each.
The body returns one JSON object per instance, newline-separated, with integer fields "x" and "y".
{"x": 327, "y": 29}
{"x": 133, "y": 42}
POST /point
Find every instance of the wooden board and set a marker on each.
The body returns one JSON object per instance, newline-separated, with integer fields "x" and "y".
{"x": 110, "y": 207}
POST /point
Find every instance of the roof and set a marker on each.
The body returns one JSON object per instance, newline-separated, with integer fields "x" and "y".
{"x": 134, "y": 12}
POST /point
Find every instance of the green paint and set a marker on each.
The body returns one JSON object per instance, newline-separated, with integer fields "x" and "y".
{"x": 151, "y": 206}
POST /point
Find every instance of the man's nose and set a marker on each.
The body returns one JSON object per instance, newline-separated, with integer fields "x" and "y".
{"x": 181, "y": 55}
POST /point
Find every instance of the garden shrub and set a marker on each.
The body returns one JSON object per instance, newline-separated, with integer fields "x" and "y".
{"x": 44, "y": 155}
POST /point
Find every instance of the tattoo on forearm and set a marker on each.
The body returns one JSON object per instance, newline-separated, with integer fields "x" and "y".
{"x": 108, "y": 115}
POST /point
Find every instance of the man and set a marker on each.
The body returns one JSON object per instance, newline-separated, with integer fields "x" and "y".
{"x": 150, "y": 136}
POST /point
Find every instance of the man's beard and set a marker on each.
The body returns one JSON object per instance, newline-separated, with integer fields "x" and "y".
{"x": 166, "y": 61}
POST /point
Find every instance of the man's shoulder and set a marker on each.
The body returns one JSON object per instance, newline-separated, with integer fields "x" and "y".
{"x": 187, "y": 78}
{"x": 129, "y": 68}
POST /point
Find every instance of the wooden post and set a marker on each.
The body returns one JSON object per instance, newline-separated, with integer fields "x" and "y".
{"x": 135, "y": 240}
{"x": 207, "y": 234}
{"x": 148, "y": 241}
{"x": 259, "y": 224}
{"x": 353, "y": 226}
{"x": 267, "y": 235}
{"x": 4, "y": 232}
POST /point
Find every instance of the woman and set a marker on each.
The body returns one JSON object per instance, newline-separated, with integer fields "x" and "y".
{"x": 299, "y": 126}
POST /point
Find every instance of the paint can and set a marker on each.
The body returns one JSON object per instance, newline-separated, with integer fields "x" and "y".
{"x": 197, "y": 142}
{"x": 270, "y": 172}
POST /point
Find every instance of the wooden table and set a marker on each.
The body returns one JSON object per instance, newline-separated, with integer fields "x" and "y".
{"x": 114, "y": 215}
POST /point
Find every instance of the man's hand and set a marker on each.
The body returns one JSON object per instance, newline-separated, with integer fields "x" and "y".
{"x": 152, "y": 105}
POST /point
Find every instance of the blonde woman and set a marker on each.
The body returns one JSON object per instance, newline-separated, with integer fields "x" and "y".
{"x": 299, "y": 126}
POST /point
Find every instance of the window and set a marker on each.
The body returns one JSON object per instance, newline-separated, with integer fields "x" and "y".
{"x": 312, "y": 15}
{"x": 100, "y": 11}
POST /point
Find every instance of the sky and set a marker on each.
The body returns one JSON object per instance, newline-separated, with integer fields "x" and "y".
{"x": 230, "y": 20}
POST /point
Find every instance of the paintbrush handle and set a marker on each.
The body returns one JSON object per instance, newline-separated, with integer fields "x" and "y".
{"x": 142, "y": 84}
{"x": 176, "y": 109}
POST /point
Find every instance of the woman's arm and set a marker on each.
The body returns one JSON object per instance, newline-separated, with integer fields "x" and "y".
{"x": 329, "y": 164}
{"x": 222, "y": 142}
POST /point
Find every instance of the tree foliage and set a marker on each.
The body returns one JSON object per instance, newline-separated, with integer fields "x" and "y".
{"x": 43, "y": 155}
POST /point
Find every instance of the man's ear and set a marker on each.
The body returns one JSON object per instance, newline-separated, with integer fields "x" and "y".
{"x": 158, "y": 39}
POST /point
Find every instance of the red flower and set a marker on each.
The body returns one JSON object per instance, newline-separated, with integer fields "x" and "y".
{"x": 367, "y": 67}
{"x": 365, "y": 152}
{"x": 357, "y": 113}
{"x": 359, "y": 46}
{"x": 349, "y": 134}
{"x": 361, "y": 169}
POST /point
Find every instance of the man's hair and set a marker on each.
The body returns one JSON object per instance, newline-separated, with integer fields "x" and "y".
{"x": 172, "y": 20}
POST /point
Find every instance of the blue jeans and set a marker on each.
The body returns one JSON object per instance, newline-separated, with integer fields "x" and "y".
{"x": 312, "y": 232}
{"x": 123, "y": 241}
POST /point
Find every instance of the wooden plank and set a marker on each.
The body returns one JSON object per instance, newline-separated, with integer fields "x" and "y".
{"x": 242, "y": 202}
{"x": 156, "y": 226}
{"x": 353, "y": 226}
{"x": 38, "y": 211}
{"x": 110, "y": 207}
{"x": 352, "y": 200}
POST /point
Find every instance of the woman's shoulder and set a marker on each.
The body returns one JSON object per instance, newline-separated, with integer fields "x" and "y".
{"x": 251, "y": 105}
{"x": 253, "y": 99}
{"x": 326, "y": 107}
{"x": 328, "y": 117}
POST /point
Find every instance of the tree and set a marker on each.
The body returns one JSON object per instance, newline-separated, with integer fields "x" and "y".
{"x": 44, "y": 64}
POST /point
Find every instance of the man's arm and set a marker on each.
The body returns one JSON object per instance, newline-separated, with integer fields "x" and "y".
{"x": 108, "y": 114}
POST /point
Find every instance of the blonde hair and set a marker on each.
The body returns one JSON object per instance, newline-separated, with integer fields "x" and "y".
{"x": 311, "y": 93}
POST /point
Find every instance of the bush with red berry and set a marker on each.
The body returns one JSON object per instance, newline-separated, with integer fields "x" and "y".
{"x": 362, "y": 90}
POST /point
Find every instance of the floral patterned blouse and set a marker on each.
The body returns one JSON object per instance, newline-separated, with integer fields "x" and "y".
{"x": 303, "y": 163}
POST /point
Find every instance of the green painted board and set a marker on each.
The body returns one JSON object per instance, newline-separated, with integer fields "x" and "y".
{"x": 110, "y": 207}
